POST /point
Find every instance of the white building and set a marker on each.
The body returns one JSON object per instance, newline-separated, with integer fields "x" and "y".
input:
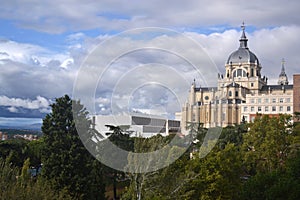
{"x": 141, "y": 125}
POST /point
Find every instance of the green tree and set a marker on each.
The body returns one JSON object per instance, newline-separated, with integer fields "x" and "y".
{"x": 268, "y": 143}
{"x": 232, "y": 134}
{"x": 14, "y": 187}
{"x": 217, "y": 176}
{"x": 279, "y": 184}
{"x": 119, "y": 136}
{"x": 14, "y": 151}
{"x": 67, "y": 165}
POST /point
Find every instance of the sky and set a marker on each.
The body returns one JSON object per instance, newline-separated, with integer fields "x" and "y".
{"x": 45, "y": 47}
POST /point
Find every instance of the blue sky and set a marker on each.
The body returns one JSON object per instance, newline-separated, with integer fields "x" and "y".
{"x": 43, "y": 45}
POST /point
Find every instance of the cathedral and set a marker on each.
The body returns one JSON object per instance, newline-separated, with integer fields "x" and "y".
{"x": 241, "y": 93}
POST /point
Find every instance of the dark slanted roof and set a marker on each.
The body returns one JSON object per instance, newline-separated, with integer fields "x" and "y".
{"x": 205, "y": 89}
{"x": 236, "y": 85}
{"x": 276, "y": 87}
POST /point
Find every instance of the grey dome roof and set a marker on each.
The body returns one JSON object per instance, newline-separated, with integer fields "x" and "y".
{"x": 243, "y": 54}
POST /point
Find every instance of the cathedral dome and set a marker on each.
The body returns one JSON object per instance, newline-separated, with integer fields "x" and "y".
{"x": 243, "y": 54}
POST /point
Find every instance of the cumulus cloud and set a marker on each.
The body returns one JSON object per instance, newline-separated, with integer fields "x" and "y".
{"x": 28, "y": 53}
{"x": 14, "y": 103}
{"x": 123, "y": 78}
{"x": 13, "y": 109}
{"x": 60, "y": 16}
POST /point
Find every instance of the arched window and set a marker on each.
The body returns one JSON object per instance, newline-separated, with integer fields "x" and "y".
{"x": 252, "y": 72}
{"x": 230, "y": 93}
{"x": 239, "y": 73}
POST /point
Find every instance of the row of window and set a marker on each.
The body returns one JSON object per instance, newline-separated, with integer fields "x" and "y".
{"x": 272, "y": 100}
{"x": 268, "y": 108}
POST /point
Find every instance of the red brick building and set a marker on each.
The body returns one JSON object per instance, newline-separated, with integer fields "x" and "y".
{"x": 296, "y": 93}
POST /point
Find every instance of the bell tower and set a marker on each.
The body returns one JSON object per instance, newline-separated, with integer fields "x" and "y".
{"x": 283, "y": 79}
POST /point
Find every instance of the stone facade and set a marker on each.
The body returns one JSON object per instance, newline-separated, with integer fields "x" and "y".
{"x": 241, "y": 93}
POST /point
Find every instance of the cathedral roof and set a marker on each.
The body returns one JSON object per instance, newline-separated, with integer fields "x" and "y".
{"x": 243, "y": 54}
{"x": 205, "y": 89}
{"x": 276, "y": 87}
{"x": 235, "y": 85}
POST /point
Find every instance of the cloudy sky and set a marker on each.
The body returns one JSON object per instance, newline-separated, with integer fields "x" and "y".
{"x": 46, "y": 49}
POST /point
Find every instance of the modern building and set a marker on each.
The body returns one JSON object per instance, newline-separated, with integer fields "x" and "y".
{"x": 241, "y": 93}
{"x": 140, "y": 125}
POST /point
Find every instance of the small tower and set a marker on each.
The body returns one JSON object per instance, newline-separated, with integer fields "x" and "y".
{"x": 243, "y": 40}
{"x": 283, "y": 79}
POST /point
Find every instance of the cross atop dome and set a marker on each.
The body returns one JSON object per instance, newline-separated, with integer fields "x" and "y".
{"x": 243, "y": 26}
{"x": 243, "y": 40}
{"x": 282, "y": 62}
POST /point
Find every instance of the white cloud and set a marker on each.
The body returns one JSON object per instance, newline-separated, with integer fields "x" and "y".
{"x": 269, "y": 45}
{"x": 20, "y": 79}
{"x": 28, "y": 53}
{"x": 14, "y": 103}
{"x": 60, "y": 16}
{"x": 13, "y": 109}
{"x": 75, "y": 37}
{"x": 67, "y": 63}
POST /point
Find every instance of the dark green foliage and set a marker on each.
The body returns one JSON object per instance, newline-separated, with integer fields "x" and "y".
{"x": 67, "y": 165}
{"x": 279, "y": 184}
{"x": 232, "y": 134}
{"x": 260, "y": 163}
{"x": 119, "y": 136}
{"x": 14, "y": 151}
{"x": 260, "y": 160}
{"x": 14, "y": 186}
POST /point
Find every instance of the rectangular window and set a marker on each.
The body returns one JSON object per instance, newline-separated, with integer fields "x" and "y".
{"x": 245, "y": 109}
{"x": 273, "y": 108}
{"x": 266, "y": 108}
{"x": 281, "y": 100}
{"x": 252, "y": 109}
{"x": 280, "y": 108}
{"x": 259, "y": 109}
{"x": 274, "y": 100}
{"x": 288, "y": 100}
{"x": 223, "y": 116}
{"x": 258, "y": 100}
{"x": 288, "y": 108}
{"x": 266, "y": 100}
{"x": 252, "y": 101}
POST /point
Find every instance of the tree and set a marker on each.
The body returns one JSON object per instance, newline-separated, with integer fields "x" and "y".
{"x": 278, "y": 184}
{"x": 216, "y": 176}
{"x": 121, "y": 138}
{"x": 14, "y": 185}
{"x": 232, "y": 134}
{"x": 67, "y": 165}
{"x": 268, "y": 143}
{"x": 14, "y": 151}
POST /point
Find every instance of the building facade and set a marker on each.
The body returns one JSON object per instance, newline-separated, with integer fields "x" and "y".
{"x": 242, "y": 92}
{"x": 296, "y": 94}
{"x": 140, "y": 125}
